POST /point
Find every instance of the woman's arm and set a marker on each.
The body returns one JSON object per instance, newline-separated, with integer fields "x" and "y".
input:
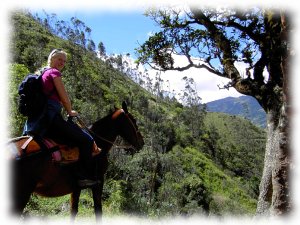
{"x": 63, "y": 95}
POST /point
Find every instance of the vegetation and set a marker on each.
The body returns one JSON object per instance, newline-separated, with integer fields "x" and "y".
{"x": 218, "y": 39}
{"x": 193, "y": 162}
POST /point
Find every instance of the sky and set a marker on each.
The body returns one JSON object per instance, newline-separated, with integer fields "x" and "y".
{"x": 124, "y": 19}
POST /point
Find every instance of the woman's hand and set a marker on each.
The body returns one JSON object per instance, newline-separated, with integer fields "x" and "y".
{"x": 73, "y": 113}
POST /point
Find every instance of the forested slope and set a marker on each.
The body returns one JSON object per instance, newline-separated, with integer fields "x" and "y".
{"x": 192, "y": 161}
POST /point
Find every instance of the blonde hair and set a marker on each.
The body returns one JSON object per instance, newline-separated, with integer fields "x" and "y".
{"x": 54, "y": 54}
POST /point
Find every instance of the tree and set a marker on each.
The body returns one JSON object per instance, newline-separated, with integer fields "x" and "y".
{"x": 91, "y": 45}
{"x": 218, "y": 39}
{"x": 101, "y": 49}
{"x": 195, "y": 111}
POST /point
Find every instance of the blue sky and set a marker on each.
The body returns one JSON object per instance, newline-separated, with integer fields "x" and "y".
{"x": 120, "y": 31}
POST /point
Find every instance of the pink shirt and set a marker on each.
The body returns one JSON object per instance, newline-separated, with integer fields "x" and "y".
{"x": 48, "y": 84}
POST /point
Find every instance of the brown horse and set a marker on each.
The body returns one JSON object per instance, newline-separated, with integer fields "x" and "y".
{"x": 39, "y": 174}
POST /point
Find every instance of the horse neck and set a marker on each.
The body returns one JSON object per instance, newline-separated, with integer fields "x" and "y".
{"x": 104, "y": 133}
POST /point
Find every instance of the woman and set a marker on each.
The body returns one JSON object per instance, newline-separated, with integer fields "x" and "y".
{"x": 56, "y": 127}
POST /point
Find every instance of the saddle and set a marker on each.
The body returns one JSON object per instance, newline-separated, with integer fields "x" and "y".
{"x": 25, "y": 146}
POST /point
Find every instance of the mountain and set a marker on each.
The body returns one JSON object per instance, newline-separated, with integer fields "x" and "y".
{"x": 244, "y": 106}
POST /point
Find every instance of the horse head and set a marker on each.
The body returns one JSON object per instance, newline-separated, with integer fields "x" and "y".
{"x": 127, "y": 128}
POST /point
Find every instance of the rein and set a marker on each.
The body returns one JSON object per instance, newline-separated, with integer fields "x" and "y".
{"x": 81, "y": 124}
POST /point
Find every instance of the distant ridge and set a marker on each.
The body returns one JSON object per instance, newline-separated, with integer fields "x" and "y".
{"x": 244, "y": 106}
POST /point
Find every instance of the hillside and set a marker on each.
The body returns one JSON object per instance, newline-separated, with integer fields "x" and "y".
{"x": 244, "y": 106}
{"x": 193, "y": 161}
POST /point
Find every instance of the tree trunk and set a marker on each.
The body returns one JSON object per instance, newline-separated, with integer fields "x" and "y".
{"x": 274, "y": 197}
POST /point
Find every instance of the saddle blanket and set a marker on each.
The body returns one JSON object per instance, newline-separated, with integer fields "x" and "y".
{"x": 24, "y": 146}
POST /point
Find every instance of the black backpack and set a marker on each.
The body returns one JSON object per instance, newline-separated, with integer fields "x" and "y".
{"x": 32, "y": 101}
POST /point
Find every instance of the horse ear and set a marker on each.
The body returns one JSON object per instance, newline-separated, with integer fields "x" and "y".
{"x": 124, "y": 107}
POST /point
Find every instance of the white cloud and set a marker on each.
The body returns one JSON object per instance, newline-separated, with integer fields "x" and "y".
{"x": 206, "y": 82}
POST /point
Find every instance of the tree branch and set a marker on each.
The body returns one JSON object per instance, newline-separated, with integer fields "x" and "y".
{"x": 222, "y": 43}
{"x": 248, "y": 30}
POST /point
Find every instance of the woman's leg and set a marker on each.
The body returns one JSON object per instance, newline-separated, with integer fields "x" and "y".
{"x": 70, "y": 134}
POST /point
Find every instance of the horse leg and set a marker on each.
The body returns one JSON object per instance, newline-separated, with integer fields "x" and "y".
{"x": 97, "y": 198}
{"x": 20, "y": 199}
{"x": 23, "y": 182}
{"x": 74, "y": 203}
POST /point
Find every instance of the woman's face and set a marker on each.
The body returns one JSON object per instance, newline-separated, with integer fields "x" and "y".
{"x": 59, "y": 61}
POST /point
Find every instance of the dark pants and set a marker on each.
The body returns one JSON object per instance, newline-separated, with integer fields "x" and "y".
{"x": 68, "y": 133}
